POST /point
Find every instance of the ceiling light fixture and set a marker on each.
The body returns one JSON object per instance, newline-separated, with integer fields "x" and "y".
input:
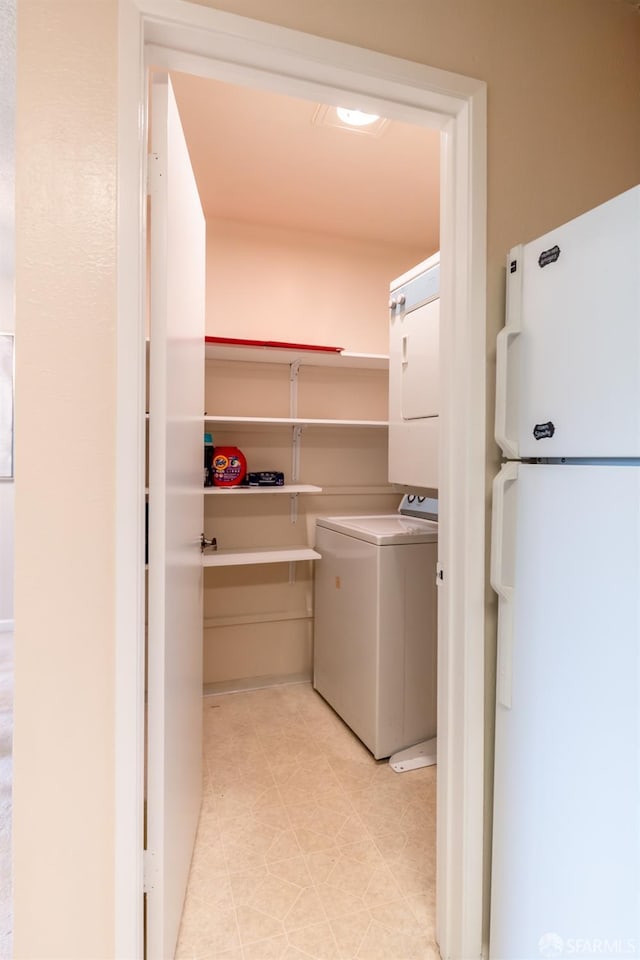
{"x": 355, "y": 121}
{"x": 356, "y": 118}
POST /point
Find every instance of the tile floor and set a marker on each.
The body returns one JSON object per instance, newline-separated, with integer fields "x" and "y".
{"x": 307, "y": 847}
{"x": 6, "y": 736}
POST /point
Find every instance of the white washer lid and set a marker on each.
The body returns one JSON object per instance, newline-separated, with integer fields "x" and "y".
{"x": 383, "y": 529}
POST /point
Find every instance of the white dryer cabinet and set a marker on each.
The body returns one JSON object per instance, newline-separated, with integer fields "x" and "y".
{"x": 375, "y": 637}
{"x": 414, "y": 306}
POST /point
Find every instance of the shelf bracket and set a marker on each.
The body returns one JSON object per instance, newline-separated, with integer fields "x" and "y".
{"x": 293, "y": 510}
{"x": 293, "y": 388}
{"x": 295, "y": 450}
{"x": 295, "y": 454}
{"x": 295, "y": 439}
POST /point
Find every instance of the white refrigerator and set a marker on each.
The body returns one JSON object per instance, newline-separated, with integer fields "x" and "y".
{"x": 566, "y": 567}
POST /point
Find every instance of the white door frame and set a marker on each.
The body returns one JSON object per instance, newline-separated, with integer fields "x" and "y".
{"x": 182, "y": 36}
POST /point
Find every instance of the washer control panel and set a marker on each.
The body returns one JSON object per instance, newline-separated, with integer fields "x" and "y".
{"x": 415, "y": 505}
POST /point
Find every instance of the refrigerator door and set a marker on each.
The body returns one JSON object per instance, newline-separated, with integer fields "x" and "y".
{"x": 566, "y": 842}
{"x": 569, "y": 356}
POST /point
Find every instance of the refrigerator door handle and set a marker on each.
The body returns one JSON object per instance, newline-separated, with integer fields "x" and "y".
{"x": 506, "y": 425}
{"x": 502, "y": 557}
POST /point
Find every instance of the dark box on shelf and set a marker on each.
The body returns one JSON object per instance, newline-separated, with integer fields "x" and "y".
{"x": 265, "y": 478}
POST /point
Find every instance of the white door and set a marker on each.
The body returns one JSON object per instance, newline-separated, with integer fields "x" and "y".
{"x": 174, "y": 757}
{"x": 573, "y": 337}
{"x": 566, "y": 828}
{"x": 419, "y": 361}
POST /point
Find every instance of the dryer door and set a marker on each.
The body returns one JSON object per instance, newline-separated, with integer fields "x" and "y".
{"x": 414, "y": 381}
{"x": 419, "y": 388}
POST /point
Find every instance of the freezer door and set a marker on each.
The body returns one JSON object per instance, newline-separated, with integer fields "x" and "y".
{"x": 569, "y": 367}
{"x": 566, "y": 841}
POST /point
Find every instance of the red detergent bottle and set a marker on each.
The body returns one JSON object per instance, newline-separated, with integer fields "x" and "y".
{"x": 229, "y": 466}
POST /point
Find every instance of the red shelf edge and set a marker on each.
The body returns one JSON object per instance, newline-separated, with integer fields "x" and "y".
{"x": 280, "y": 345}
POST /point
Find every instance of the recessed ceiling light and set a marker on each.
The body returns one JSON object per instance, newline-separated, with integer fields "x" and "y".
{"x": 356, "y": 118}
{"x": 357, "y": 121}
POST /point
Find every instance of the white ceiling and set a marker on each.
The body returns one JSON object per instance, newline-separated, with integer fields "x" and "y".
{"x": 258, "y": 157}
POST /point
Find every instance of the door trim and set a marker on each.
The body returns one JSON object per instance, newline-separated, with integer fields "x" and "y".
{"x": 197, "y": 39}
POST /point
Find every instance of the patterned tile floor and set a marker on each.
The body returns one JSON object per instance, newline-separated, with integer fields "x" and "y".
{"x": 307, "y": 847}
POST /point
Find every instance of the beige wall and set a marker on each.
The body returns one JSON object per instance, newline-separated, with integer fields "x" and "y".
{"x": 7, "y": 487}
{"x": 66, "y": 382}
{"x": 275, "y": 638}
{"x": 564, "y": 134}
{"x": 7, "y": 275}
{"x": 282, "y": 284}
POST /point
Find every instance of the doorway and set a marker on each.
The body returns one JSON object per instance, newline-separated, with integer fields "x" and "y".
{"x": 308, "y": 221}
{"x": 212, "y": 44}
{"x": 303, "y": 839}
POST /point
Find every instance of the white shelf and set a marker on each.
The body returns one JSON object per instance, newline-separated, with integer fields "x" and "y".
{"x": 364, "y": 361}
{"x": 312, "y": 358}
{"x": 360, "y": 490}
{"x": 289, "y": 488}
{"x": 286, "y": 357}
{"x": 241, "y": 557}
{"x": 293, "y": 422}
{"x": 244, "y": 619}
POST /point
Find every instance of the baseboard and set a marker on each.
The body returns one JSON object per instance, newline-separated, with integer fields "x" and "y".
{"x": 7, "y": 626}
{"x": 245, "y": 684}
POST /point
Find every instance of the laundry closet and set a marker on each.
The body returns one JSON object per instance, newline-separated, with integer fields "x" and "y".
{"x": 307, "y": 222}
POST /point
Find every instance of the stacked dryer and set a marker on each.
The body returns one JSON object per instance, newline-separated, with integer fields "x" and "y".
{"x": 414, "y": 383}
{"x": 375, "y": 646}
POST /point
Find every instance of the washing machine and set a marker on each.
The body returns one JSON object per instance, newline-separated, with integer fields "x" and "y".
{"x": 375, "y": 636}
